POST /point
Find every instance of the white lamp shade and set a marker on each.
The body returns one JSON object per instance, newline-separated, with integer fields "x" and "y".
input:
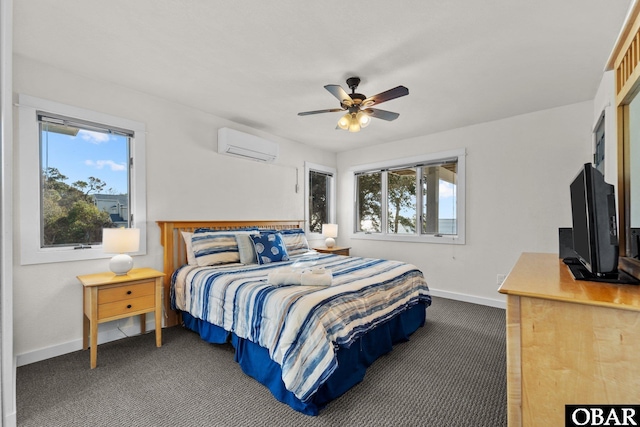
{"x": 120, "y": 240}
{"x": 330, "y": 230}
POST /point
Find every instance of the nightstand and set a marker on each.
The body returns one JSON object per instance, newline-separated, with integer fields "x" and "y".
{"x": 108, "y": 297}
{"x": 336, "y": 250}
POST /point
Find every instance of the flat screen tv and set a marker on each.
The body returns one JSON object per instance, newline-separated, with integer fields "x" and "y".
{"x": 595, "y": 229}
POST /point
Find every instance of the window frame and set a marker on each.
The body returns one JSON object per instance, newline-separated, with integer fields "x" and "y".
{"x": 31, "y": 251}
{"x": 459, "y": 238}
{"x": 308, "y": 168}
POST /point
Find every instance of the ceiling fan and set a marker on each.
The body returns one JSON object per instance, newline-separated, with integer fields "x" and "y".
{"x": 357, "y": 105}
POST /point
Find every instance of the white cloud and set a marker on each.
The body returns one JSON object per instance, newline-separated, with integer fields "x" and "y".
{"x": 100, "y": 164}
{"x": 447, "y": 189}
{"x": 93, "y": 137}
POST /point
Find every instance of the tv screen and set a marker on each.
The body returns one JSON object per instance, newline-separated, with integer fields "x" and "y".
{"x": 595, "y": 229}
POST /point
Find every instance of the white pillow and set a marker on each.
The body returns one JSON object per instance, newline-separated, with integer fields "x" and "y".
{"x": 191, "y": 257}
{"x": 245, "y": 248}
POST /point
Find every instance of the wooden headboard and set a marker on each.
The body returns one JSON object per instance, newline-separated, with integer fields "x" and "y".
{"x": 175, "y": 254}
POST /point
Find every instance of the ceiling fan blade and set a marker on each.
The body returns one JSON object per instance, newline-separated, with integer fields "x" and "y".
{"x": 338, "y": 92}
{"x": 381, "y": 114}
{"x": 388, "y": 95}
{"x": 330, "y": 110}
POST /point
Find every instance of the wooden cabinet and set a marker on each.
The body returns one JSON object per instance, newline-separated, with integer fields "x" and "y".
{"x": 108, "y": 297}
{"x": 568, "y": 341}
{"x": 337, "y": 250}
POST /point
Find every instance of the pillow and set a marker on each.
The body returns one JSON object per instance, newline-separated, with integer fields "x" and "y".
{"x": 191, "y": 258}
{"x": 246, "y": 252}
{"x": 245, "y": 248}
{"x": 211, "y": 248}
{"x": 295, "y": 241}
{"x": 269, "y": 247}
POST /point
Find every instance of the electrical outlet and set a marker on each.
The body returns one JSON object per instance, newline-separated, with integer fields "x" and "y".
{"x": 501, "y": 278}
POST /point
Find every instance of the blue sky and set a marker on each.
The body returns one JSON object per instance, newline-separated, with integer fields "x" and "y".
{"x": 88, "y": 154}
{"x": 447, "y": 200}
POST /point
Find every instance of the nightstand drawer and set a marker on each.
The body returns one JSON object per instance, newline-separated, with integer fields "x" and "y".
{"x": 126, "y": 292}
{"x": 336, "y": 250}
{"x": 344, "y": 251}
{"x": 126, "y": 307}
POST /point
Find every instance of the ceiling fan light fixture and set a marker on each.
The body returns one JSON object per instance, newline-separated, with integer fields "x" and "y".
{"x": 354, "y": 124}
{"x": 344, "y": 121}
{"x": 363, "y": 119}
{"x": 359, "y": 115}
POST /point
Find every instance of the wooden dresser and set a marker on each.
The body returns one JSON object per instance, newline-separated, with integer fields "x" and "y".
{"x": 568, "y": 341}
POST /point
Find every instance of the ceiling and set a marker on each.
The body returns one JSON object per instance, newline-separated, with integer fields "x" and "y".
{"x": 259, "y": 63}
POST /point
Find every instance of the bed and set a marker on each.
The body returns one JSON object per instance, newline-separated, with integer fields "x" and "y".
{"x": 305, "y": 324}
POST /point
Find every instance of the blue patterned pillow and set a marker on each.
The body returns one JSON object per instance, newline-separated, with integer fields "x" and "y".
{"x": 269, "y": 247}
{"x": 295, "y": 241}
{"x": 211, "y": 248}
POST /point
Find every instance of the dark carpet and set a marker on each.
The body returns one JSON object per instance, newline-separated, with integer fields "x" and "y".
{"x": 451, "y": 373}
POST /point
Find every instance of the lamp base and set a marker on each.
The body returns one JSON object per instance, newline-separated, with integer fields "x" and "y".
{"x": 121, "y": 264}
{"x": 330, "y": 242}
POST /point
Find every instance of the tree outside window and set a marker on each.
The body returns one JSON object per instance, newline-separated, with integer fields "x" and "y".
{"x": 369, "y": 193}
{"x": 321, "y": 198}
{"x": 401, "y": 190}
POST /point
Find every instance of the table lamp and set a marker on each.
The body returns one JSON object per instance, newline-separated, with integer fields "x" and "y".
{"x": 119, "y": 241}
{"x": 330, "y": 231}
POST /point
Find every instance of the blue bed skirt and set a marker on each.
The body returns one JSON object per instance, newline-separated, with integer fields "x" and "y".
{"x": 353, "y": 361}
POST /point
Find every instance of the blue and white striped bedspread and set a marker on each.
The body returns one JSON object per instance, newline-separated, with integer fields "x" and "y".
{"x": 301, "y": 325}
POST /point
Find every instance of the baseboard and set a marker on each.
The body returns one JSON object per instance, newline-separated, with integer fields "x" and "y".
{"x": 104, "y": 336}
{"x": 10, "y": 420}
{"x": 468, "y": 298}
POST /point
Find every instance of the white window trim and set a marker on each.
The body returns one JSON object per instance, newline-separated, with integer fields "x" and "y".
{"x": 308, "y": 167}
{"x": 458, "y": 239}
{"x": 29, "y": 164}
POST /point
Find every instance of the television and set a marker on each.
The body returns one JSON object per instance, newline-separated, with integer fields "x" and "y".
{"x": 595, "y": 229}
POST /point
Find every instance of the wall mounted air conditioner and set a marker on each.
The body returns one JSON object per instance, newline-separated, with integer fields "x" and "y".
{"x": 247, "y": 146}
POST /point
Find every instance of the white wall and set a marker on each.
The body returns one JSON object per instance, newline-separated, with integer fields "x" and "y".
{"x": 186, "y": 179}
{"x": 518, "y": 175}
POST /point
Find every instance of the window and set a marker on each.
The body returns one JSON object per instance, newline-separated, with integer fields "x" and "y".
{"x": 320, "y": 190}
{"x": 423, "y": 199}
{"x": 85, "y": 181}
{"x": 369, "y": 193}
{"x": 88, "y": 170}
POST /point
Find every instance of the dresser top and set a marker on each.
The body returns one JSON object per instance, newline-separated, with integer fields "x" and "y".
{"x": 542, "y": 275}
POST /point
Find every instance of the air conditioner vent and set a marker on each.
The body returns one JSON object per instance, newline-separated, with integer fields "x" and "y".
{"x": 247, "y": 146}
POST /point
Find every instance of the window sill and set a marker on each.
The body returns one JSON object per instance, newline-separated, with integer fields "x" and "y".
{"x": 446, "y": 239}
{"x": 45, "y": 256}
